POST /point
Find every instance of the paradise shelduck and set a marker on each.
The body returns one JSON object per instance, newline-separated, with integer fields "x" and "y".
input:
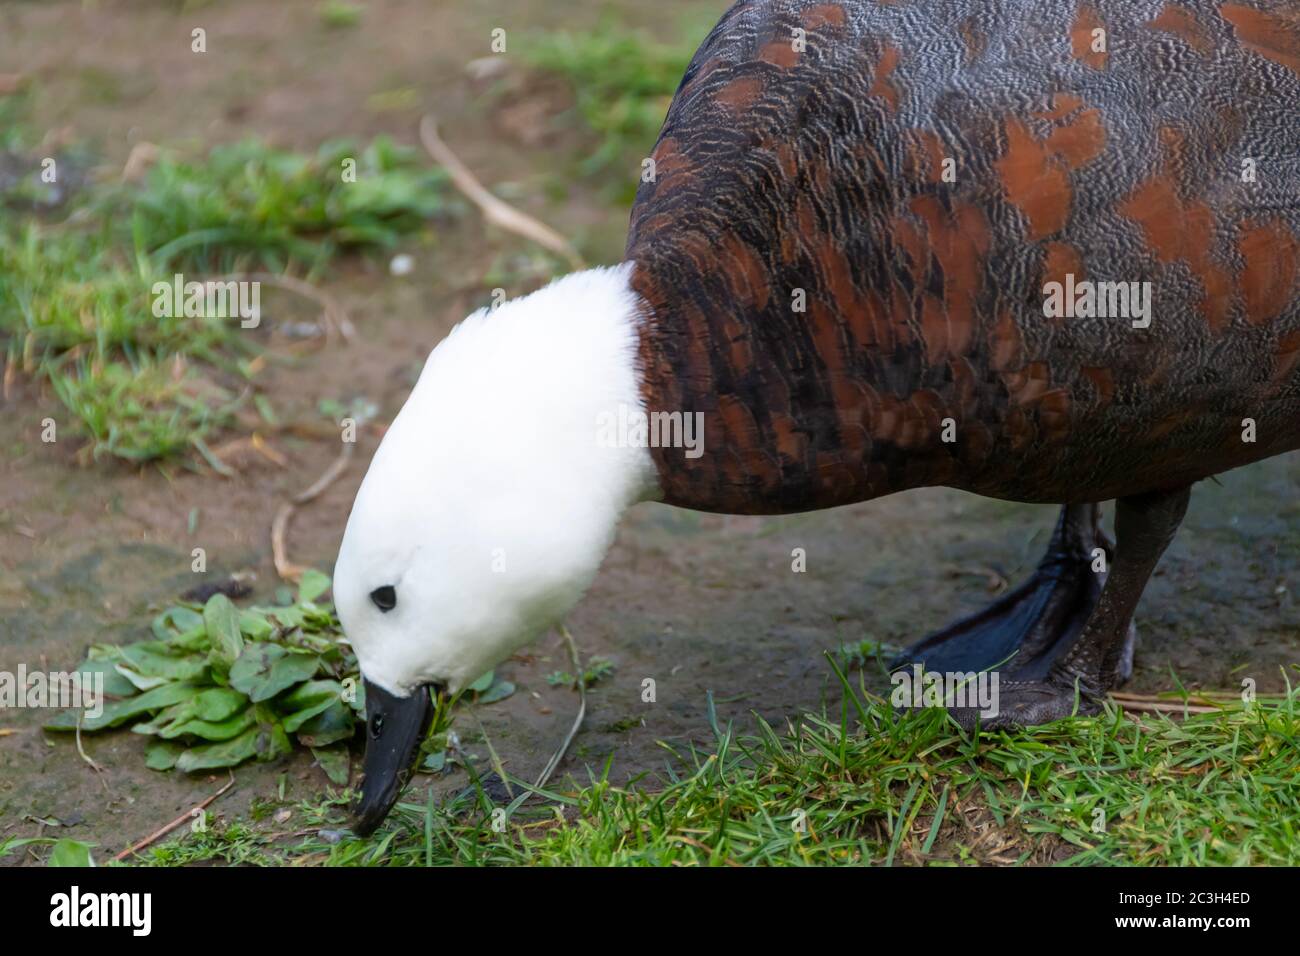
{"x": 1040, "y": 251}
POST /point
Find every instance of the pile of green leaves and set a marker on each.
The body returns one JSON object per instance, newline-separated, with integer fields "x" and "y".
{"x": 219, "y": 685}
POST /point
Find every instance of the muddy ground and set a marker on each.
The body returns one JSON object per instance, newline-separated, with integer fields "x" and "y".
{"x": 697, "y": 602}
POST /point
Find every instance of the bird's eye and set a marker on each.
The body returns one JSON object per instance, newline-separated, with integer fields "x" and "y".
{"x": 385, "y": 598}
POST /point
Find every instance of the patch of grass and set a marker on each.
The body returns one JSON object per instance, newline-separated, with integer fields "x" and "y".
{"x": 337, "y": 14}
{"x": 598, "y": 669}
{"x": 14, "y": 113}
{"x": 625, "y": 724}
{"x": 859, "y": 653}
{"x": 247, "y": 205}
{"x": 868, "y": 785}
{"x": 622, "y": 82}
{"x": 76, "y": 302}
{"x": 231, "y": 843}
{"x": 76, "y": 315}
{"x": 143, "y": 411}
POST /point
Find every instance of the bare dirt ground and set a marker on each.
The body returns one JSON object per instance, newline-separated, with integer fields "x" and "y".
{"x": 697, "y": 602}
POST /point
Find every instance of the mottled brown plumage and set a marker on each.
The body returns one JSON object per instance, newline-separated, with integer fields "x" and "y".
{"x": 821, "y": 170}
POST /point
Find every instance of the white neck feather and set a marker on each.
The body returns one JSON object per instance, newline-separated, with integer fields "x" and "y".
{"x": 497, "y": 454}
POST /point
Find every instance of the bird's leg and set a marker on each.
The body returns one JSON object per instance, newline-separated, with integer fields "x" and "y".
{"x": 1144, "y": 526}
{"x": 1024, "y": 631}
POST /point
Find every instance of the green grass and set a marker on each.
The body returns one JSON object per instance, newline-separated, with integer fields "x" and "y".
{"x": 15, "y": 132}
{"x": 75, "y": 315}
{"x": 622, "y": 82}
{"x": 75, "y": 301}
{"x": 76, "y": 307}
{"x": 247, "y": 205}
{"x": 865, "y": 785}
{"x": 338, "y": 14}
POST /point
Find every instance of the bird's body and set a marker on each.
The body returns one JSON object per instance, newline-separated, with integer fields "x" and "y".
{"x": 1035, "y": 250}
{"x": 1173, "y": 158}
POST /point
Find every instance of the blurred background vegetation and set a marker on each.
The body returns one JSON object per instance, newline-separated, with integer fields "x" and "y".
{"x": 78, "y": 256}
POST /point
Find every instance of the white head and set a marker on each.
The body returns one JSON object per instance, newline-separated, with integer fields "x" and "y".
{"x": 491, "y": 501}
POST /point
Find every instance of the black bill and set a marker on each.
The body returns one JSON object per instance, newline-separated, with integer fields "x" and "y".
{"x": 395, "y": 728}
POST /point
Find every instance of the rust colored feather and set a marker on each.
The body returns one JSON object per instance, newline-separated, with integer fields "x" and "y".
{"x": 845, "y": 255}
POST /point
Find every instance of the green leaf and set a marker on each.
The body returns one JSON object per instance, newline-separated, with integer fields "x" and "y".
{"x": 120, "y": 711}
{"x": 177, "y": 713}
{"x": 221, "y": 618}
{"x": 498, "y": 691}
{"x": 335, "y": 761}
{"x": 218, "y": 703}
{"x": 162, "y": 755}
{"x": 70, "y": 853}
{"x": 210, "y": 730}
{"x": 272, "y": 741}
{"x": 216, "y": 713}
{"x": 311, "y": 692}
{"x": 228, "y": 753}
{"x": 483, "y": 683}
{"x": 158, "y": 659}
{"x": 312, "y": 585}
{"x": 288, "y": 617}
{"x": 254, "y": 625}
{"x": 307, "y": 700}
{"x": 435, "y": 762}
{"x": 181, "y": 627}
{"x": 139, "y": 682}
{"x": 115, "y": 684}
{"x": 331, "y": 725}
{"x": 104, "y": 652}
{"x": 263, "y": 670}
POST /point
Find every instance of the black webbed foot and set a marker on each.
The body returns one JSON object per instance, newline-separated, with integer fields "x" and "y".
{"x": 1055, "y": 645}
{"x": 1025, "y": 630}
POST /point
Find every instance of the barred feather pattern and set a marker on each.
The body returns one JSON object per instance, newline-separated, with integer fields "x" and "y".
{"x": 812, "y": 175}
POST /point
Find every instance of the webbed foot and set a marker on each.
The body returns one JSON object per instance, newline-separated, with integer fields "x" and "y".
{"x": 1024, "y": 631}
{"x": 1055, "y": 645}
